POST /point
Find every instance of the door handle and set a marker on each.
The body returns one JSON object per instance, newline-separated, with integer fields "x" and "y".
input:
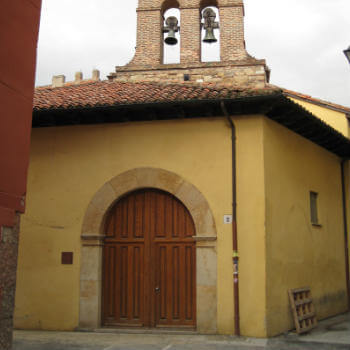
{"x": 157, "y": 289}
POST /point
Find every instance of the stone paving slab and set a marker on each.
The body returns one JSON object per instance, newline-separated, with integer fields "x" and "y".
{"x": 91, "y": 341}
{"x": 331, "y": 334}
{"x": 335, "y": 330}
{"x": 34, "y": 340}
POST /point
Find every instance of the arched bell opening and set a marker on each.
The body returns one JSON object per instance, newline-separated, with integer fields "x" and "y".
{"x": 208, "y": 3}
{"x": 210, "y": 31}
{"x": 171, "y": 35}
{"x": 169, "y": 4}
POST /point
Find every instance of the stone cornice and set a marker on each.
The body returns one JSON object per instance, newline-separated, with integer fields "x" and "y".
{"x": 167, "y": 67}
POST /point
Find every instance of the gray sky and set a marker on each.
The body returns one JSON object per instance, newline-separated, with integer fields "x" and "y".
{"x": 302, "y": 41}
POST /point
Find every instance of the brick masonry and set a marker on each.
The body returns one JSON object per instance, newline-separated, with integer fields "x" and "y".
{"x": 8, "y": 262}
{"x": 236, "y": 67}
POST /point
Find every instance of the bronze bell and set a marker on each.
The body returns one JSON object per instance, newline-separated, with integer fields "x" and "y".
{"x": 209, "y": 36}
{"x": 171, "y": 39}
{"x": 171, "y": 28}
{"x": 209, "y": 25}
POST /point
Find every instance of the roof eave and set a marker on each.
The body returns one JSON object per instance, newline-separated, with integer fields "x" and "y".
{"x": 275, "y": 105}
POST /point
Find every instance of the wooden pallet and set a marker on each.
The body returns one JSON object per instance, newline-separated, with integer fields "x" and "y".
{"x": 303, "y": 309}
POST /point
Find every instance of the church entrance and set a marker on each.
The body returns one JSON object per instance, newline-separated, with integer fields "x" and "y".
{"x": 149, "y": 262}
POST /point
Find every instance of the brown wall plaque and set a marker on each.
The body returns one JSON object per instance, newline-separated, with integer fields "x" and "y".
{"x": 67, "y": 258}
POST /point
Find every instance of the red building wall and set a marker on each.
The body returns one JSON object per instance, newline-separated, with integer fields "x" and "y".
{"x": 19, "y": 25}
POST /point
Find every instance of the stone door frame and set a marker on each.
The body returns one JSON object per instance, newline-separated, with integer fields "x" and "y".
{"x": 93, "y": 234}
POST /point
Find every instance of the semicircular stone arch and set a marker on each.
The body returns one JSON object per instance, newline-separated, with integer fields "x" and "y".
{"x": 93, "y": 234}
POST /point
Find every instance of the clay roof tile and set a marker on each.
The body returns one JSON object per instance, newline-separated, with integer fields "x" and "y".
{"x": 106, "y": 93}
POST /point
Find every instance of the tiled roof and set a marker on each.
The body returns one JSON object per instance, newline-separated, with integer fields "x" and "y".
{"x": 80, "y": 104}
{"x": 317, "y": 101}
{"x": 108, "y": 94}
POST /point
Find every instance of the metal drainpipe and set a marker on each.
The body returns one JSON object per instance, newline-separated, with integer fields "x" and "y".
{"x": 346, "y": 236}
{"x": 235, "y": 256}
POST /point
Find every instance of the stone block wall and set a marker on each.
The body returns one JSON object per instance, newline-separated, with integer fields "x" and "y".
{"x": 8, "y": 263}
{"x": 253, "y": 74}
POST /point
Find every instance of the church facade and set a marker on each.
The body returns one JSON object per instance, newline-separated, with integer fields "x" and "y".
{"x": 188, "y": 196}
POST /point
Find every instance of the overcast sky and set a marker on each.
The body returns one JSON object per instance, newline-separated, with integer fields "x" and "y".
{"x": 301, "y": 40}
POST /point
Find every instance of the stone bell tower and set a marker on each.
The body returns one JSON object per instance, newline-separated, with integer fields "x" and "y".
{"x": 235, "y": 68}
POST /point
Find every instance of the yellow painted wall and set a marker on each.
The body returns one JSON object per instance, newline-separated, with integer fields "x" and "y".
{"x": 276, "y": 169}
{"x": 335, "y": 119}
{"x": 347, "y": 187}
{"x": 251, "y": 224}
{"x": 298, "y": 253}
{"x": 70, "y": 164}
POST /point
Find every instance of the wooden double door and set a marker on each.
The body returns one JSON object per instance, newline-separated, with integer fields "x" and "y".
{"x": 149, "y": 263}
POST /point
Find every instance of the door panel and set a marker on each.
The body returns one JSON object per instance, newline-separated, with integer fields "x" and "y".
{"x": 124, "y": 265}
{"x": 175, "y": 285}
{"x": 149, "y": 262}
